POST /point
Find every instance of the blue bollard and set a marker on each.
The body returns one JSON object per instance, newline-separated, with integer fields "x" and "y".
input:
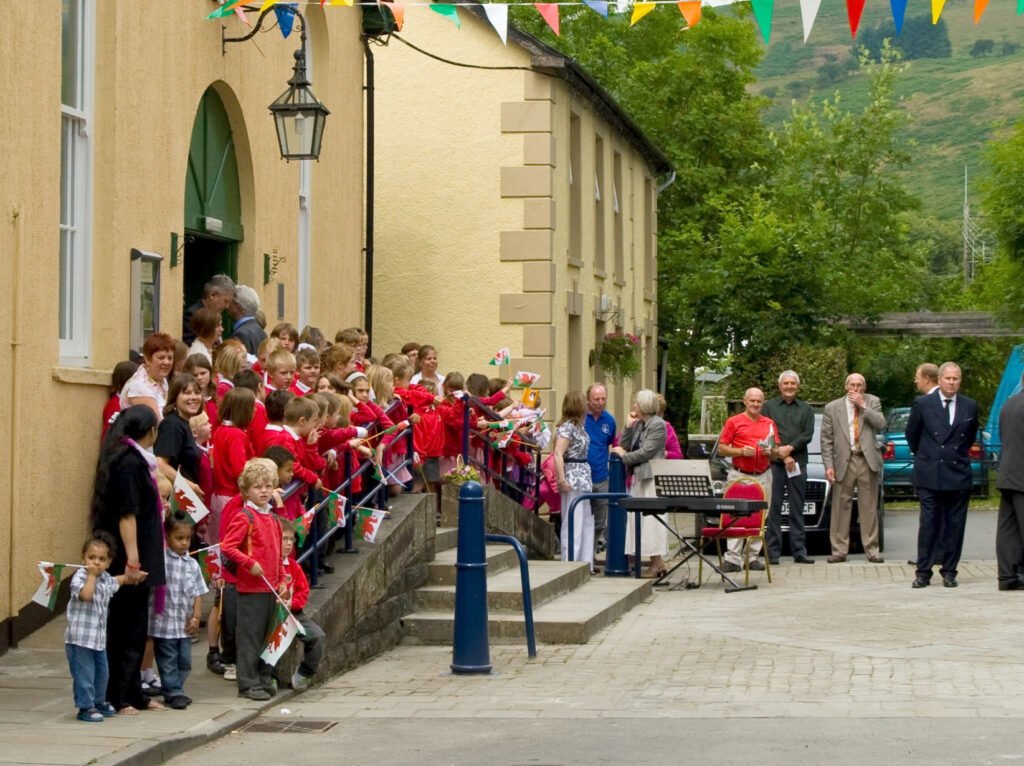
{"x": 615, "y": 563}
{"x": 471, "y": 651}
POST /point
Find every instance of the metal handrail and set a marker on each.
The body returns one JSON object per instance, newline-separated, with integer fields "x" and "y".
{"x": 568, "y": 516}
{"x": 530, "y": 487}
{"x": 524, "y": 576}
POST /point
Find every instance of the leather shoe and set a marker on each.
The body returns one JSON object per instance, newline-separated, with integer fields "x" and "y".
{"x": 1017, "y": 584}
{"x": 756, "y": 565}
{"x": 802, "y": 560}
{"x": 729, "y": 567}
{"x": 921, "y": 582}
{"x": 773, "y": 560}
{"x": 949, "y": 582}
{"x": 836, "y": 559}
{"x": 326, "y": 568}
{"x": 876, "y": 559}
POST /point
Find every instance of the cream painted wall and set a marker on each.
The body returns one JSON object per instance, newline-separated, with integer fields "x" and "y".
{"x": 153, "y": 63}
{"x": 440, "y": 212}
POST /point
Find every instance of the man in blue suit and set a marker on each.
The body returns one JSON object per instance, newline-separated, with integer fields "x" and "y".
{"x": 943, "y": 426}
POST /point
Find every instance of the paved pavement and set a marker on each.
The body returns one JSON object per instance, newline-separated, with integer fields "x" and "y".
{"x": 838, "y": 653}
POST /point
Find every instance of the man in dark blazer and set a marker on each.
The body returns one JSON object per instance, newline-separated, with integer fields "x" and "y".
{"x": 1010, "y": 483}
{"x": 942, "y": 427}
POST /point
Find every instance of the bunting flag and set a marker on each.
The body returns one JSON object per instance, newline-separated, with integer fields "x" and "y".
{"x": 809, "y": 12}
{"x": 448, "y": 11}
{"x": 525, "y": 379}
{"x": 397, "y": 11}
{"x": 369, "y": 523}
{"x": 335, "y": 510}
{"x": 503, "y": 355}
{"x": 899, "y": 10}
{"x": 285, "y": 13}
{"x": 184, "y": 498}
{"x": 639, "y": 11}
{"x": 227, "y": 7}
{"x": 346, "y": 3}
{"x": 267, "y": 4}
{"x": 937, "y": 6}
{"x": 48, "y": 590}
{"x": 283, "y": 630}
{"x": 691, "y": 11}
{"x": 497, "y": 14}
{"x": 979, "y": 9}
{"x": 1020, "y": 7}
{"x": 763, "y": 14}
{"x": 303, "y": 524}
{"x": 549, "y": 12}
{"x": 854, "y": 9}
{"x": 209, "y": 562}
{"x": 601, "y": 7}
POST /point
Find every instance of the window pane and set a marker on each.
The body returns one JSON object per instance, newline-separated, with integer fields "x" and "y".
{"x": 67, "y": 171}
{"x": 71, "y": 53}
{"x": 67, "y": 245}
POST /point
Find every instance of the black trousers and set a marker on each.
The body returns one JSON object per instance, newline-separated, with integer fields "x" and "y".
{"x": 773, "y": 529}
{"x": 940, "y": 532}
{"x": 1010, "y": 535}
{"x": 254, "y": 613}
{"x": 127, "y": 626}
{"x": 228, "y": 621}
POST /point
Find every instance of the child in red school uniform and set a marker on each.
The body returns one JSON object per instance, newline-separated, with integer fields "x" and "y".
{"x": 452, "y": 411}
{"x": 252, "y": 542}
{"x": 231, "y": 450}
{"x": 295, "y": 434}
{"x": 357, "y": 341}
{"x": 200, "y": 368}
{"x": 202, "y": 432}
{"x": 296, "y": 596}
{"x": 123, "y": 371}
{"x": 367, "y": 414}
{"x": 263, "y": 352}
{"x": 275, "y": 405}
{"x": 346, "y": 440}
{"x": 250, "y": 380}
{"x": 427, "y": 429}
{"x": 382, "y": 383}
{"x": 279, "y": 373}
{"x": 307, "y": 364}
{"x": 291, "y": 507}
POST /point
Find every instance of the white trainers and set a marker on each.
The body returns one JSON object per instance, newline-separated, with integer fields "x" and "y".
{"x": 229, "y": 673}
{"x": 300, "y": 682}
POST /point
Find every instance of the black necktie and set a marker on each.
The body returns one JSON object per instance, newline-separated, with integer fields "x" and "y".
{"x": 946, "y": 403}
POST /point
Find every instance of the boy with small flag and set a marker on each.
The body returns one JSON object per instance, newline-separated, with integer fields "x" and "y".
{"x": 296, "y": 597}
{"x": 85, "y": 640}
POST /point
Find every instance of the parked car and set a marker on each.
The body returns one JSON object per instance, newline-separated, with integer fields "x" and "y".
{"x": 899, "y": 460}
{"x": 818, "y": 498}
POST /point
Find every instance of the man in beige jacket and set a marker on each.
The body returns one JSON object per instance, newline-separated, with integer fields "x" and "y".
{"x": 852, "y": 460}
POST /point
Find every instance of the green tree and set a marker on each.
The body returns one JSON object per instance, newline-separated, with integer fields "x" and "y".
{"x": 1000, "y": 284}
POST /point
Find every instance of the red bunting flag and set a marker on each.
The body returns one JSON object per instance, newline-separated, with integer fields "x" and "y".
{"x": 549, "y": 12}
{"x": 854, "y": 8}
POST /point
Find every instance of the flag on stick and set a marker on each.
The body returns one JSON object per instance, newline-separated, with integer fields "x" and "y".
{"x": 503, "y": 356}
{"x": 335, "y": 510}
{"x": 209, "y": 562}
{"x": 303, "y": 524}
{"x": 283, "y": 630}
{"x": 369, "y": 523}
{"x": 46, "y": 594}
{"x": 184, "y": 498}
{"x": 525, "y": 379}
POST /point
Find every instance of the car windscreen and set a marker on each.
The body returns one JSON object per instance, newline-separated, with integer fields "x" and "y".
{"x": 897, "y": 420}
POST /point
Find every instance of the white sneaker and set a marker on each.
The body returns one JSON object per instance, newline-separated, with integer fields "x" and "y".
{"x": 229, "y": 673}
{"x": 301, "y": 682}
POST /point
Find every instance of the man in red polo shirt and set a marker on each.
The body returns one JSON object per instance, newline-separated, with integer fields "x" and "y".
{"x": 748, "y": 438}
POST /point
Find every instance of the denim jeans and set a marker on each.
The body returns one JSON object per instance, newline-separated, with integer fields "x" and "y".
{"x": 174, "y": 659}
{"x": 89, "y": 674}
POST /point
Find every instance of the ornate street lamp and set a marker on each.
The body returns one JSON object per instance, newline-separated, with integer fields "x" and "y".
{"x": 298, "y": 115}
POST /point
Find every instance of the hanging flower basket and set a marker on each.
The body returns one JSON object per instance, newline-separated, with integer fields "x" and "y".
{"x": 618, "y": 355}
{"x": 460, "y": 474}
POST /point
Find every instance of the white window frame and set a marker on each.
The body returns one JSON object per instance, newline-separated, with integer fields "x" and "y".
{"x": 75, "y": 291}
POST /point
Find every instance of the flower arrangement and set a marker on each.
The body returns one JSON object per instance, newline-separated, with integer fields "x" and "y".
{"x": 460, "y": 474}
{"x": 618, "y": 355}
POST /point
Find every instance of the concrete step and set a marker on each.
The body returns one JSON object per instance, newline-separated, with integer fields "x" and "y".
{"x": 548, "y": 580}
{"x": 445, "y": 538}
{"x": 441, "y": 571}
{"x": 570, "y": 619}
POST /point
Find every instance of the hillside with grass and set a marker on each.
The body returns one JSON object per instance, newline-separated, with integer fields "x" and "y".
{"x": 955, "y": 103}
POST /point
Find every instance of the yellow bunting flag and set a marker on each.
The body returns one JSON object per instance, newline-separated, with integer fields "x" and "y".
{"x": 639, "y": 11}
{"x": 937, "y": 10}
{"x": 549, "y": 12}
{"x": 691, "y": 11}
{"x": 979, "y": 9}
{"x": 346, "y": 3}
{"x": 267, "y": 4}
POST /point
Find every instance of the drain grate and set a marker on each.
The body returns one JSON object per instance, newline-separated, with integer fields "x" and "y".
{"x": 289, "y": 726}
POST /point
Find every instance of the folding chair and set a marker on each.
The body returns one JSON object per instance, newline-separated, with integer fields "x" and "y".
{"x": 744, "y": 528}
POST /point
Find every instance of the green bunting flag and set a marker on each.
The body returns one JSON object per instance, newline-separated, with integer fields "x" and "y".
{"x": 448, "y": 11}
{"x": 763, "y": 13}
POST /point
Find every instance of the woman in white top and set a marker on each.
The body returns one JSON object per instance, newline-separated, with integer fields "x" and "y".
{"x": 148, "y": 385}
{"x": 208, "y": 329}
{"x": 427, "y": 361}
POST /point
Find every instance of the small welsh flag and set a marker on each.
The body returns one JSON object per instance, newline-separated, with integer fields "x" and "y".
{"x": 46, "y": 594}
{"x": 283, "y": 630}
{"x": 184, "y": 498}
{"x": 501, "y": 425}
{"x": 503, "y": 440}
{"x": 335, "y": 510}
{"x": 369, "y": 523}
{"x": 209, "y": 562}
{"x": 503, "y": 356}
{"x": 525, "y": 379}
{"x": 302, "y": 526}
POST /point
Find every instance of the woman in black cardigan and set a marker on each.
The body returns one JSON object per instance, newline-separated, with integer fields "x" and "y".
{"x": 126, "y": 504}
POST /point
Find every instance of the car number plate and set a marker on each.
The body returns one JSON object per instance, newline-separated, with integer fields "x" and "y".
{"x": 809, "y": 508}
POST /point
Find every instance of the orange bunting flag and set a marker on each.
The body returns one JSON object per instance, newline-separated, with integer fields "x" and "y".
{"x": 398, "y": 11}
{"x": 549, "y": 12}
{"x": 854, "y": 8}
{"x": 691, "y": 11}
{"x": 979, "y": 9}
{"x": 937, "y": 10}
{"x": 639, "y": 11}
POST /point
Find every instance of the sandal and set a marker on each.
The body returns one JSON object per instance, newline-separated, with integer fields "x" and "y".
{"x": 90, "y": 715}
{"x": 155, "y": 705}
{"x": 127, "y": 710}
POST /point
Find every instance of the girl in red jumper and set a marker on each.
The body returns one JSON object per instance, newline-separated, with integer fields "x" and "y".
{"x": 382, "y": 382}
{"x": 231, "y": 359}
{"x": 452, "y": 412}
{"x": 231, "y": 450}
{"x": 123, "y": 372}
